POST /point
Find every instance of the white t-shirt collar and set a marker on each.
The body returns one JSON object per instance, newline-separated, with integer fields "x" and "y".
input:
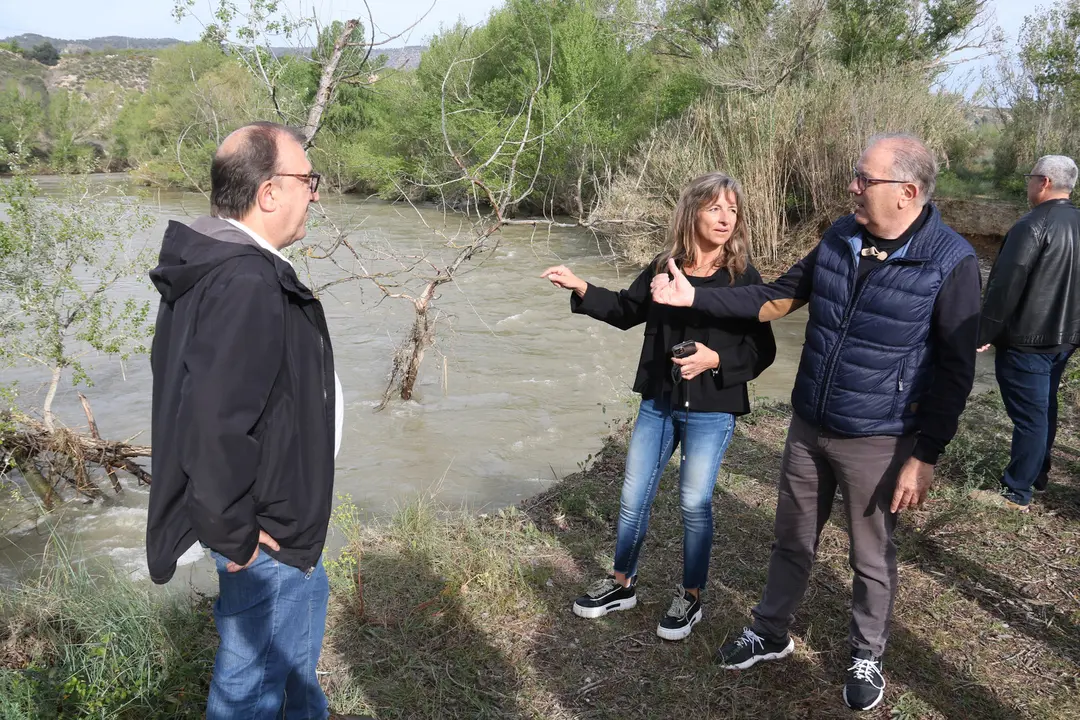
{"x": 258, "y": 239}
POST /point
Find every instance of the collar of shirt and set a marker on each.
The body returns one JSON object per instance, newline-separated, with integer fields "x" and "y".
{"x": 258, "y": 239}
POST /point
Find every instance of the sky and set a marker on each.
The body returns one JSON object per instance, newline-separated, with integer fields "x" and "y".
{"x": 78, "y": 19}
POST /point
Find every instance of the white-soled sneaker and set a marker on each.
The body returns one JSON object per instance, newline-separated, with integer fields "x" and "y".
{"x": 684, "y": 613}
{"x": 605, "y": 596}
{"x": 750, "y": 648}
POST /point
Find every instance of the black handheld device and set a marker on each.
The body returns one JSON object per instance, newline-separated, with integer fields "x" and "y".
{"x": 684, "y": 349}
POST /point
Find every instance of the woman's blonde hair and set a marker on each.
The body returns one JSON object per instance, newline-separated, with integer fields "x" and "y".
{"x": 701, "y": 191}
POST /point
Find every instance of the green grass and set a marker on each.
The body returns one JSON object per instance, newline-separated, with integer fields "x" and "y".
{"x": 83, "y": 643}
{"x": 441, "y": 614}
{"x": 982, "y": 186}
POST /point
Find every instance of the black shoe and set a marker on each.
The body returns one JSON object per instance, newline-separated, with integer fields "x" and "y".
{"x": 605, "y": 596}
{"x": 750, "y": 649}
{"x": 1041, "y": 481}
{"x": 684, "y": 613}
{"x": 865, "y": 685}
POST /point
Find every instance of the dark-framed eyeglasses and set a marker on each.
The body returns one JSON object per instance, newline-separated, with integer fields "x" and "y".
{"x": 312, "y": 178}
{"x": 1028, "y": 176}
{"x": 863, "y": 181}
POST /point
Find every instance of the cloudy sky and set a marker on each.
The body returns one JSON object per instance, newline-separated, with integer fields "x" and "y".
{"x": 73, "y": 19}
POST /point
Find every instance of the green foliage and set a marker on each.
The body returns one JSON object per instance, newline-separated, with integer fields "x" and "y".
{"x": 44, "y": 53}
{"x": 67, "y": 127}
{"x": 980, "y": 451}
{"x": 874, "y": 34}
{"x": 197, "y": 95}
{"x": 544, "y": 104}
{"x": 60, "y": 260}
{"x": 695, "y": 29}
{"x": 788, "y": 127}
{"x": 22, "y": 118}
{"x": 540, "y": 101}
{"x": 70, "y": 121}
{"x": 1041, "y": 87}
{"x": 862, "y": 35}
{"x": 97, "y": 645}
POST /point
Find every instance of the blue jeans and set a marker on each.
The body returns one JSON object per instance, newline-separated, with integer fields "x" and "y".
{"x": 658, "y": 431}
{"x": 1029, "y": 387}
{"x": 271, "y": 618}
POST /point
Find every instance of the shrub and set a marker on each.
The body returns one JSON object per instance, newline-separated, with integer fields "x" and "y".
{"x": 792, "y": 148}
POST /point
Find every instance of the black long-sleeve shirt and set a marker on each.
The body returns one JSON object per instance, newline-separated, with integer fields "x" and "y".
{"x": 955, "y": 329}
{"x": 746, "y": 347}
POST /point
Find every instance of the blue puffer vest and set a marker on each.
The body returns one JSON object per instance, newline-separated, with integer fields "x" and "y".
{"x": 868, "y": 353}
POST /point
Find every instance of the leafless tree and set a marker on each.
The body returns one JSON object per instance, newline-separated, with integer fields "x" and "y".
{"x": 493, "y": 185}
{"x": 346, "y": 60}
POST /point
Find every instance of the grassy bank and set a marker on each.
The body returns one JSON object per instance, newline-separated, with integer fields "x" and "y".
{"x": 440, "y": 615}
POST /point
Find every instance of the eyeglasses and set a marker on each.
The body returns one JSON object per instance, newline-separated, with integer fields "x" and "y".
{"x": 862, "y": 181}
{"x": 312, "y": 178}
{"x": 1031, "y": 175}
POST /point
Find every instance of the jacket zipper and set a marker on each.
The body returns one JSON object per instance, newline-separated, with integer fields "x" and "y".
{"x": 320, "y": 326}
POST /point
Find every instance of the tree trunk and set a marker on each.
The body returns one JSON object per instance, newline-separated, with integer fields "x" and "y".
{"x": 46, "y": 408}
{"x": 97, "y": 436}
{"x": 419, "y": 339}
{"x": 327, "y": 83}
{"x": 34, "y": 479}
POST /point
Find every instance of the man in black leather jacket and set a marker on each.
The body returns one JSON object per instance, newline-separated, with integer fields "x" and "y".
{"x": 1031, "y": 315}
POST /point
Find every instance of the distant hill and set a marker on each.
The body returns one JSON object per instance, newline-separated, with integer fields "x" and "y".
{"x": 83, "y": 60}
{"x": 113, "y": 42}
{"x": 403, "y": 58}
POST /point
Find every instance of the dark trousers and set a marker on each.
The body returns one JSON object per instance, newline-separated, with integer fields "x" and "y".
{"x": 815, "y": 465}
{"x": 1029, "y": 387}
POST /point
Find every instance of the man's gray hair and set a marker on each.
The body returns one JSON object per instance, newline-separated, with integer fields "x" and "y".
{"x": 1060, "y": 169}
{"x": 912, "y": 161}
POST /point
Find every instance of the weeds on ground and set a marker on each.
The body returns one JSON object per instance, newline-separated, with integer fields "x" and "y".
{"x": 83, "y": 641}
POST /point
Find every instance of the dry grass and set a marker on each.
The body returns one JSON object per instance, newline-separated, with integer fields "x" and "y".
{"x": 470, "y": 617}
{"x": 792, "y": 148}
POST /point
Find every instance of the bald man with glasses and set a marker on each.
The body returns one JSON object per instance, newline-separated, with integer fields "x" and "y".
{"x": 246, "y": 421}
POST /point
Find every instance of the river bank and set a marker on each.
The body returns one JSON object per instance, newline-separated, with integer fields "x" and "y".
{"x": 439, "y": 614}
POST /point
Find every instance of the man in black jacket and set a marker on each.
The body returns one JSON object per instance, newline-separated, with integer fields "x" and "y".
{"x": 1031, "y": 314}
{"x": 246, "y": 423}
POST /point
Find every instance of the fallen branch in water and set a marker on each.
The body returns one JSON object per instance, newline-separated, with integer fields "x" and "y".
{"x": 47, "y": 457}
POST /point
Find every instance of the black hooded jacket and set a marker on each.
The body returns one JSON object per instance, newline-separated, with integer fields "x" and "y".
{"x": 243, "y": 403}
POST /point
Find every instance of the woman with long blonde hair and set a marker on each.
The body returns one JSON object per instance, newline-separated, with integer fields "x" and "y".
{"x": 692, "y": 378}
